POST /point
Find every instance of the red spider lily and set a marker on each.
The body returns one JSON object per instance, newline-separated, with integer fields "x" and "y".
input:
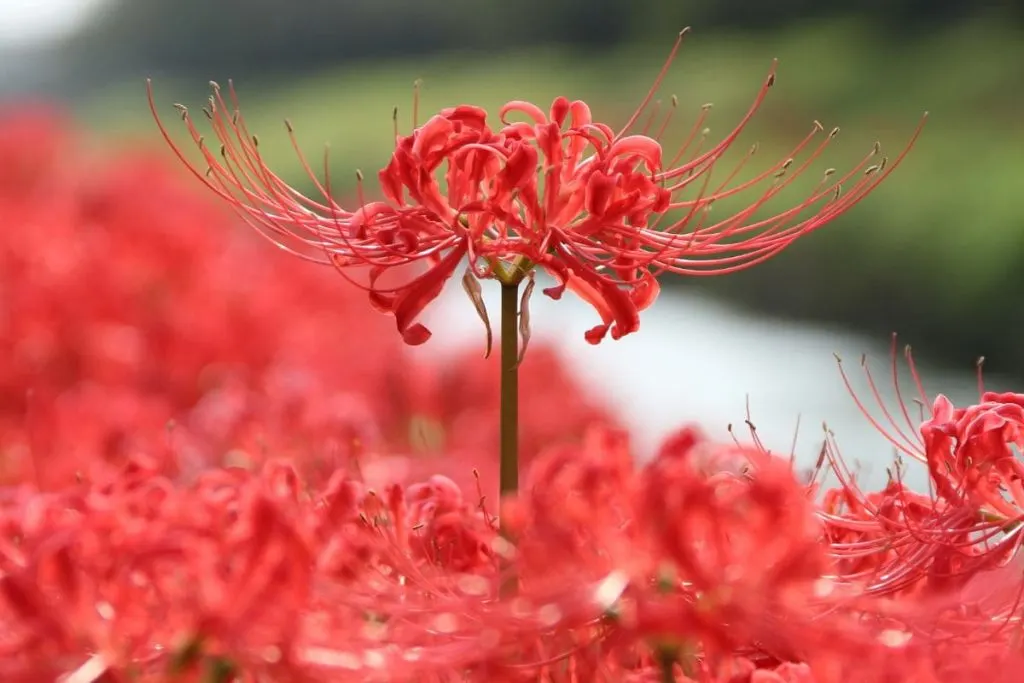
{"x": 896, "y": 541}
{"x": 603, "y": 211}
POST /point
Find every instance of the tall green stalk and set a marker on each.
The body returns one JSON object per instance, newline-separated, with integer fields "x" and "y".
{"x": 509, "y": 410}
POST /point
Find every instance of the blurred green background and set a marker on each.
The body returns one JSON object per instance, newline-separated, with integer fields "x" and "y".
{"x": 935, "y": 253}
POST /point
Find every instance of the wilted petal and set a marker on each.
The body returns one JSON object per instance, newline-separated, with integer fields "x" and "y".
{"x": 473, "y": 290}
{"x": 524, "y": 317}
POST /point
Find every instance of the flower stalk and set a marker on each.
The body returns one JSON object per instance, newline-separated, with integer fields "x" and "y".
{"x": 509, "y": 402}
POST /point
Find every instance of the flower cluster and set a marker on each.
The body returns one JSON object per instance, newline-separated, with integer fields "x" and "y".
{"x": 207, "y": 476}
{"x": 706, "y": 565}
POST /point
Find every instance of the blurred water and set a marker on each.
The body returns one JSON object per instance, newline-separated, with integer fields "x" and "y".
{"x": 696, "y": 360}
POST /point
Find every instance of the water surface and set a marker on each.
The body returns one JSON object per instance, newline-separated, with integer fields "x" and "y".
{"x": 697, "y": 360}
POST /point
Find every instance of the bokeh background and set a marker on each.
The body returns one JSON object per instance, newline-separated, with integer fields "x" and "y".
{"x": 935, "y": 254}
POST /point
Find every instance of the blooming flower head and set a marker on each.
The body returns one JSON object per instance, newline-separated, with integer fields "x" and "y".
{"x": 963, "y": 536}
{"x": 604, "y": 212}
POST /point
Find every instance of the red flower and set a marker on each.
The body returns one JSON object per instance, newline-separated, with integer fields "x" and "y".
{"x": 969, "y": 524}
{"x": 602, "y": 211}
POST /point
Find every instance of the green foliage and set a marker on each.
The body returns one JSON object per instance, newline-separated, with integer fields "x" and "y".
{"x": 260, "y": 36}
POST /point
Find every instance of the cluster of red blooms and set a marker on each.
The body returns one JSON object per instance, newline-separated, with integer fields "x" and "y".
{"x": 217, "y": 466}
{"x": 711, "y": 564}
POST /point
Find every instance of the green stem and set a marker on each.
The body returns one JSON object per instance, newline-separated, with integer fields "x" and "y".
{"x": 509, "y": 410}
{"x": 666, "y": 665}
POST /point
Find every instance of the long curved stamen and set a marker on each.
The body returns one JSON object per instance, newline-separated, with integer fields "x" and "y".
{"x": 656, "y": 85}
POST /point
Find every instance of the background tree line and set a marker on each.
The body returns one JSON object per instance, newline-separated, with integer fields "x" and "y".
{"x": 187, "y": 36}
